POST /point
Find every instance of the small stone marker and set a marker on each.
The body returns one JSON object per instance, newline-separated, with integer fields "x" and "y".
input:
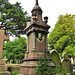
{"x": 55, "y": 58}
{"x": 66, "y": 64}
{"x": 2, "y": 38}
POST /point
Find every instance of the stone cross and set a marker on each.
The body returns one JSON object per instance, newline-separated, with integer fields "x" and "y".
{"x": 2, "y": 38}
{"x": 36, "y": 2}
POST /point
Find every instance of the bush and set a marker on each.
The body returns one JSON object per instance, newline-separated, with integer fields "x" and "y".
{"x": 44, "y": 67}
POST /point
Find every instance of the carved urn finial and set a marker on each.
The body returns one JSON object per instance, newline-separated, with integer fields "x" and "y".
{"x": 46, "y": 19}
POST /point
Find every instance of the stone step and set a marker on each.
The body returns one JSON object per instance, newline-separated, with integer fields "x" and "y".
{"x": 3, "y": 68}
{"x": 4, "y": 73}
{"x": 2, "y": 62}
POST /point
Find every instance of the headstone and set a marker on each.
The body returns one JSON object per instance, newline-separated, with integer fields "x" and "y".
{"x": 66, "y": 64}
{"x": 55, "y": 58}
{"x": 3, "y": 67}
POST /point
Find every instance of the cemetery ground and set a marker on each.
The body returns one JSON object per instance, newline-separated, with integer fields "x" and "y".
{"x": 62, "y": 67}
{"x": 63, "y": 64}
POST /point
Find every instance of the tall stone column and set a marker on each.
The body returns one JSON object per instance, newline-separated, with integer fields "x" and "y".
{"x": 34, "y": 42}
{"x": 46, "y": 43}
{"x": 47, "y": 51}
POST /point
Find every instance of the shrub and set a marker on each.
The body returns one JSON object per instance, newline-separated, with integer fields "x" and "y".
{"x": 44, "y": 67}
{"x": 14, "y": 73}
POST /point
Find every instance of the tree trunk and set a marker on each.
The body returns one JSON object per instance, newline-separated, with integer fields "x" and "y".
{"x": 13, "y": 61}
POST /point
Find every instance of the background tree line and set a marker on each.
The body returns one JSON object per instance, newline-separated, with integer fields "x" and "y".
{"x": 15, "y": 50}
{"x": 12, "y": 18}
{"x": 62, "y": 37}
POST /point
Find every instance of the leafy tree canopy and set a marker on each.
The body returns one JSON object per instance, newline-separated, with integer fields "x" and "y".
{"x": 15, "y": 50}
{"x": 12, "y": 17}
{"x": 62, "y": 37}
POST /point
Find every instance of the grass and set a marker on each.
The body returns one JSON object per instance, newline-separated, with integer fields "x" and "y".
{"x": 13, "y": 64}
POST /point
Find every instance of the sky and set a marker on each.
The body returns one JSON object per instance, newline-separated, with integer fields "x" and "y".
{"x": 50, "y": 8}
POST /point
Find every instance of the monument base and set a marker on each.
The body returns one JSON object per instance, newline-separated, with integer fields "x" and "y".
{"x": 28, "y": 67}
{"x": 3, "y": 68}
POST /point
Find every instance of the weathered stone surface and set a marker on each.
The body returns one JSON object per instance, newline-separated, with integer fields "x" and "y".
{"x": 2, "y": 62}
{"x": 56, "y": 58}
{"x": 66, "y": 64}
{"x": 28, "y": 67}
{"x": 5, "y": 73}
{"x": 13, "y": 68}
{"x": 3, "y": 67}
{"x": 2, "y": 38}
{"x": 36, "y": 31}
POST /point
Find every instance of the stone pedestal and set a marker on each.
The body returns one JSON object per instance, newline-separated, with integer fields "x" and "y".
{"x": 3, "y": 68}
{"x": 28, "y": 67}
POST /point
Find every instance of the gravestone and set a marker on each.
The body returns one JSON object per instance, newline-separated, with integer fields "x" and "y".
{"x": 66, "y": 64}
{"x": 3, "y": 67}
{"x": 55, "y": 58}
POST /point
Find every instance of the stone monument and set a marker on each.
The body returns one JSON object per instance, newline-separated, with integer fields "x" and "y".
{"x": 3, "y": 67}
{"x": 36, "y": 31}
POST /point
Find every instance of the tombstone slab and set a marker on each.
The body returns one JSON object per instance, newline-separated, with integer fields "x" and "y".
{"x": 56, "y": 58}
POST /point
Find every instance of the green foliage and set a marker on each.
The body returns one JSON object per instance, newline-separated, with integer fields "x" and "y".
{"x": 61, "y": 43}
{"x": 58, "y": 70}
{"x": 15, "y": 50}
{"x": 62, "y": 37}
{"x": 12, "y": 17}
{"x": 70, "y": 50}
{"x": 14, "y": 73}
{"x": 44, "y": 67}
